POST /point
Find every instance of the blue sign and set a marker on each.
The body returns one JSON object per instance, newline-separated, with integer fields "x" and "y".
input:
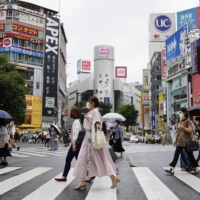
{"x": 107, "y": 100}
{"x": 187, "y": 17}
{"x": 153, "y": 119}
{"x": 22, "y": 51}
{"x": 163, "y": 23}
{"x": 175, "y": 44}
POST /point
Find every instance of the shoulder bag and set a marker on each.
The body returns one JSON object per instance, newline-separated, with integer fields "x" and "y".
{"x": 81, "y": 137}
{"x": 100, "y": 140}
{"x": 2, "y": 139}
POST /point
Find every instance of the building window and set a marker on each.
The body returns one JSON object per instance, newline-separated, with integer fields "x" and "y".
{"x": 41, "y": 34}
{"x": 37, "y": 85}
{"x": 8, "y": 27}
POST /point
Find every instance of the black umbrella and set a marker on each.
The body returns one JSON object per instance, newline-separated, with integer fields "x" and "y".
{"x": 85, "y": 110}
{"x": 195, "y": 110}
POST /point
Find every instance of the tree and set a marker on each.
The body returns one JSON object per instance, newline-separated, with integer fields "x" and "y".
{"x": 106, "y": 107}
{"x": 12, "y": 91}
{"x": 130, "y": 113}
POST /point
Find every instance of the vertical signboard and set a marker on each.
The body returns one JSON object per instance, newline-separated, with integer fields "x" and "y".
{"x": 169, "y": 101}
{"x": 196, "y": 89}
{"x": 147, "y": 119}
{"x": 50, "y": 81}
{"x": 194, "y": 57}
{"x": 163, "y": 66}
{"x": 146, "y": 80}
{"x": 103, "y": 87}
{"x": 153, "y": 119}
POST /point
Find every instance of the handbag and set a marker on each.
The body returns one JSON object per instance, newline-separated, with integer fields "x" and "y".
{"x": 80, "y": 138}
{"x": 100, "y": 140}
{"x": 56, "y": 139}
{"x": 192, "y": 146}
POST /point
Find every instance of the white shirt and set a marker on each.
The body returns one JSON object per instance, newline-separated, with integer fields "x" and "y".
{"x": 76, "y": 127}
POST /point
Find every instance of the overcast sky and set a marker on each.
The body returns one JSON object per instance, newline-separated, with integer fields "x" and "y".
{"x": 120, "y": 23}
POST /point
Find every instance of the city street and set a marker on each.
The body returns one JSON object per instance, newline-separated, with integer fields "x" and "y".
{"x": 30, "y": 175}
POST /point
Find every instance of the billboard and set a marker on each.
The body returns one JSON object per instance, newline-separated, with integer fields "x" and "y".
{"x": 146, "y": 84}
{"x": 121, "y": 72}
{"x": 196, "y": 89}
{"x": 103, "y": 88}
{"x": 161, "y": 26}
{"x": 189, "y": 17}
{"x": 50, "y": 76}
{"x": 175, "y": 44}
{"x": 104, "y": 52}
{"x": 83, "y": 65}
{"x": 25, "y": 30}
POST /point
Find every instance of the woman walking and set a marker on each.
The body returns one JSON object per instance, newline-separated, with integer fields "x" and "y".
{"x": 93, "y": 162}
{"x": 54, "y": 140}
{"x": 117, "y": 147}
{"x": 12, "y": 130}
{"x": 74, "y": 148}
{"x": 184, "y": 135}
{"x": 4, "y": 150}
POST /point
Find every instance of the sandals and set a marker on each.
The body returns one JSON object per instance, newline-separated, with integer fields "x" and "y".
{"x": 194, "y": 171}
{"x": 170, "y": 171}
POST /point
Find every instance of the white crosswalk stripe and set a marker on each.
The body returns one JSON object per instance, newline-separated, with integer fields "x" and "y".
{"x": 48, "y": 190}
{"x": 151, "y": 185}
{"x": 8, "y": 169}
{"x": 15, "y": 181}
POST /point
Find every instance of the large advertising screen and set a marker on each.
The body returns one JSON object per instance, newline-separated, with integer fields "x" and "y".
{"x": 175, "y": 44}
{"x": 161, "y": 26}
{"x": 50, "y": 79}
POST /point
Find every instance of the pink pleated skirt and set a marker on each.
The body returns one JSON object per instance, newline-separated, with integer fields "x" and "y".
{"x": 101, "y": 163}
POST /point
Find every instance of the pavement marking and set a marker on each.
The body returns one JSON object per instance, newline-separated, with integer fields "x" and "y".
{"x": 51, "y": 189}
{"x": 15, "y": 181}
{"x": 189, "y": 179}
{"x": 101, "y": 190}
{"x": 30, "y": 154}
{"x": 152, "y": 186}
{"x": 8, "y": 169}
{"x": 18, "y": 155}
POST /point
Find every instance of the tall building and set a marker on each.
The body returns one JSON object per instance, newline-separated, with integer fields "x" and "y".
{"x": 23, "y": 38}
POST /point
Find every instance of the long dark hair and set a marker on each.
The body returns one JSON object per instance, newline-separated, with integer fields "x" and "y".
{"x": 185, "y": 112}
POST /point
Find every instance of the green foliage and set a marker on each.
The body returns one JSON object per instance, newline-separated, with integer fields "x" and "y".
{"x": 12, "y": 91}
{"x": 106, "y": 107}
{"x": 130, "y": 113}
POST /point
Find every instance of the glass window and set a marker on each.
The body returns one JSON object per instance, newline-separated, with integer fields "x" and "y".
{"x": 9, "y": 14}
{"x": 8, "y": 27}
{"x": 29, "y": 87}
{"x": 41, "y": 34}
{"x": 37, "y": 85}
{"x": 22, "y": 43}
{"x": 41, "y": 46}
{"x": 28, "y": 119}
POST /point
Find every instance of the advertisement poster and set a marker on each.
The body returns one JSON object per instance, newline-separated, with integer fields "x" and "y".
{"x": 50, "y": 83}
{"x": 121, "y": 72}
{"x": 147, "y": 119}
{"x": 104, "y": 52}
{"x": 194, "y": 57}
{"x": 83, "y": 65}
{"x": 196, "y": 89}
{"x": 187, "y": 17}
{"x": 175, "y": 44}
{"x": 103, "y": 87}
{"x": 146, "y": 80}
{"x": 161, "y": 26}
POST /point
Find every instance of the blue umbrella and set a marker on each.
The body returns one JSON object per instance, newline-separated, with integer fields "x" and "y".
{"x": 5, "y": 115}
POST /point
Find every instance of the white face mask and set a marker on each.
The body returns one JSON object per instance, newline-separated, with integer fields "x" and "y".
{"x": 115, "y": 124}
{"x": 181, "y": 115}
{"x": 197, "y": 123}
{"x": 88, "y": 105}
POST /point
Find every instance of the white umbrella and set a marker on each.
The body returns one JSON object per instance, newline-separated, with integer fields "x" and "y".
{"x": 111, "y": 117}
{"x": 58, "y": 130}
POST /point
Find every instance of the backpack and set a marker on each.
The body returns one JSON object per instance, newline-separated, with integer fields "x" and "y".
{"x": 2, "y": 139}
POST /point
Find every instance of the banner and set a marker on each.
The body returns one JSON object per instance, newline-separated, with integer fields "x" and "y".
{"x": 175, "y": 44}
{"x": 146, "y": 80}
{"x": 50, "y": 80}
{"x": 25, "y": 30}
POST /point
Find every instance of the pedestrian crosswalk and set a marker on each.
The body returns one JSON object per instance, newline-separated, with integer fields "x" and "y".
{"x": 38, "y": 152}
{"x": 153, "y": 187}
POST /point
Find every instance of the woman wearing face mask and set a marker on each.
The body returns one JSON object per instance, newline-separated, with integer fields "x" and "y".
{"x": 54, "y": 140}
{"x": 197, "y": 122}
{"x": 93, "y": 162}
{"x": 117, "y": 147}
{"x": 184, "y": 129}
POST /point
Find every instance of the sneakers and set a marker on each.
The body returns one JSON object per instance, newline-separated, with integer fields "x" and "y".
{"x": 170, "y": 171}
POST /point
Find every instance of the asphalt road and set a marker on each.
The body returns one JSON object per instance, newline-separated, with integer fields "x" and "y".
{"x": 31, "y": 171}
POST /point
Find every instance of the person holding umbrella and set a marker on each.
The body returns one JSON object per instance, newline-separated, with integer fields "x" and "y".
{"x": 54, "y": 138}
{"x": 4, "y": 150}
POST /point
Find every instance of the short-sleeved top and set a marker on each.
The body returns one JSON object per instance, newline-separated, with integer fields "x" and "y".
{"x": 183, "y": 137}
{"x": 94, "y": 115}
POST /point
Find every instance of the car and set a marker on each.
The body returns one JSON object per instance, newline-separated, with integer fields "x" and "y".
{"x": 157, "y": 139}
{"x": 148, "y": 139}
{"x": 134, "y": 139}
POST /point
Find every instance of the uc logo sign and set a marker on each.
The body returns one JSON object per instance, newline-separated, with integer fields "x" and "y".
{"x": 163, "y": 23}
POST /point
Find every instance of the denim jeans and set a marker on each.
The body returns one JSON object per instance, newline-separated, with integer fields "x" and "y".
{"x": 182, "y": 163}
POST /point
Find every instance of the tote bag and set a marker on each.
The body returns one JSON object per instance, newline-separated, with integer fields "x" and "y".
{"x": 100, "y": 140}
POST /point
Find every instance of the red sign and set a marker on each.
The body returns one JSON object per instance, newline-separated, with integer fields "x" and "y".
{"x": 86, "y": 65}
{"x": 2, "y": 27}
{"x": 163, "y": 64}
{"x": 7, "y": 42}
{"x": 146, "y": 98}
{"x": 196, "y": 89}
{"x": 25, "y": 30}
{"x": 121, "y": 72}
{"x": 161, "y": 107}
